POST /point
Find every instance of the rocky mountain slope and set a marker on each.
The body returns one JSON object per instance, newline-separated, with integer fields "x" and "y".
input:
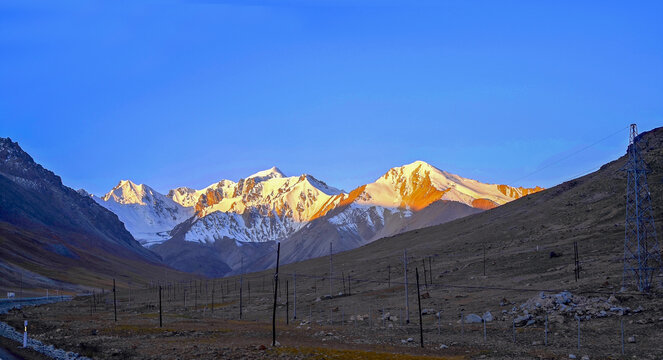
{"x": 49, "y": 232}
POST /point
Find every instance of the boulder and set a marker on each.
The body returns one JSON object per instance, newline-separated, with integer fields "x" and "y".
{"x": 487, "y": 316}
{"x": 473, "y": 319}
{"x": 522, "y": 320}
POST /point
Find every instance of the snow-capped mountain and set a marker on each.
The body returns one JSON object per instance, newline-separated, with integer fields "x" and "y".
{"x": 301, "y": 211}
{"x": 417, "y": 185}
{"x": 404, "y": 198}
{"x": 148, "y": 215}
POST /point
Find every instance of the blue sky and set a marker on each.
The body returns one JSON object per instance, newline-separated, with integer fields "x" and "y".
{"x": 185, "y": 93}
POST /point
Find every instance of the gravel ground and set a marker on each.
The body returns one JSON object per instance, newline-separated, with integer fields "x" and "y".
{"x": 11, "y": 333}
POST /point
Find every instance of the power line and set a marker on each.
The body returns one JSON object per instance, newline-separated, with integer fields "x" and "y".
{"x": 569, "y": 156}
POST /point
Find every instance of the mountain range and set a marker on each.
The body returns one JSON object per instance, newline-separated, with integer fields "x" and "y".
{"x": 211, "y": 230}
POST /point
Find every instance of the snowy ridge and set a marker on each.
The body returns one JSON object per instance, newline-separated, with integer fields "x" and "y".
{"x": 269, "y": 205}
{"x": 248, "y": 227}
{"x": 148, "y": 215}
{"x": 419, "y": 184}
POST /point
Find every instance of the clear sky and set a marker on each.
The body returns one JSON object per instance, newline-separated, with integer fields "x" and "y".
{"x": 185, "y": 93}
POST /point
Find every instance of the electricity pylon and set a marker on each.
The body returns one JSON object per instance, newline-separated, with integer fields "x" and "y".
{"x": 642, "y": 257}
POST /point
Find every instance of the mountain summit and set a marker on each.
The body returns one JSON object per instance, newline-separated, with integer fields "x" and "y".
{"x": 148, "y": 215}
{"x": 270, "y": 173}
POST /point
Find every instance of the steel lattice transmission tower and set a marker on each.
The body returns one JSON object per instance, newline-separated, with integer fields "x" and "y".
{"x": 642, "y": 257}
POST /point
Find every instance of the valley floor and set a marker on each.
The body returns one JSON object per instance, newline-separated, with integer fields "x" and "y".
{"x": 344, "y": 327}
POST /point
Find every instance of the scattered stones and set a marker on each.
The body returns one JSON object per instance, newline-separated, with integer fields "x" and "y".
{"x": 443, "y": 346}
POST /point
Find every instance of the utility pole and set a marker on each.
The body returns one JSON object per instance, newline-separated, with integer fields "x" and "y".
{"x": 421, "y": 325}
{"x": 160, "y": 311}
{"x": 331, "y": 270}
{"x": 241, "y": 274}
{"x": 287, "y": 303}
{"x": 642, "y": 257}
{"x": 276, "y": 284}
{"x": 388, "y": 275}
{"x": 114, "y": 301}
{"x": 294, "y": 292}
{"x": 407, "y": 300}
{"x": 484, "y": 258}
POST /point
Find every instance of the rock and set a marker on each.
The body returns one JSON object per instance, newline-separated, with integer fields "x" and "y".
{"x": 487, "y": 316}
{"x": 536, "y": 343}
{"x": 504, "y": 302}
{"x": 612, "y": 299}
{"x": 619, "y": 310}
{"x": 542, "y": 295}
{"x": 585, "y": 357}
{"x": 427, "y": 311}
{"x": 262, "y": 347}
{"x": 530, "y": 322}
{"x": 571, "y": 356}
{"x": 473, "y": 319}
{"x": 276, "y": 343}
{"x": 318, "y": 299}
{"x": 564, "y": 297}
{"x": 631, "y": 340}
{"x": 425, "y": 295}
{"x": 522, "y": 320}
{"x": 443, "y": 346}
